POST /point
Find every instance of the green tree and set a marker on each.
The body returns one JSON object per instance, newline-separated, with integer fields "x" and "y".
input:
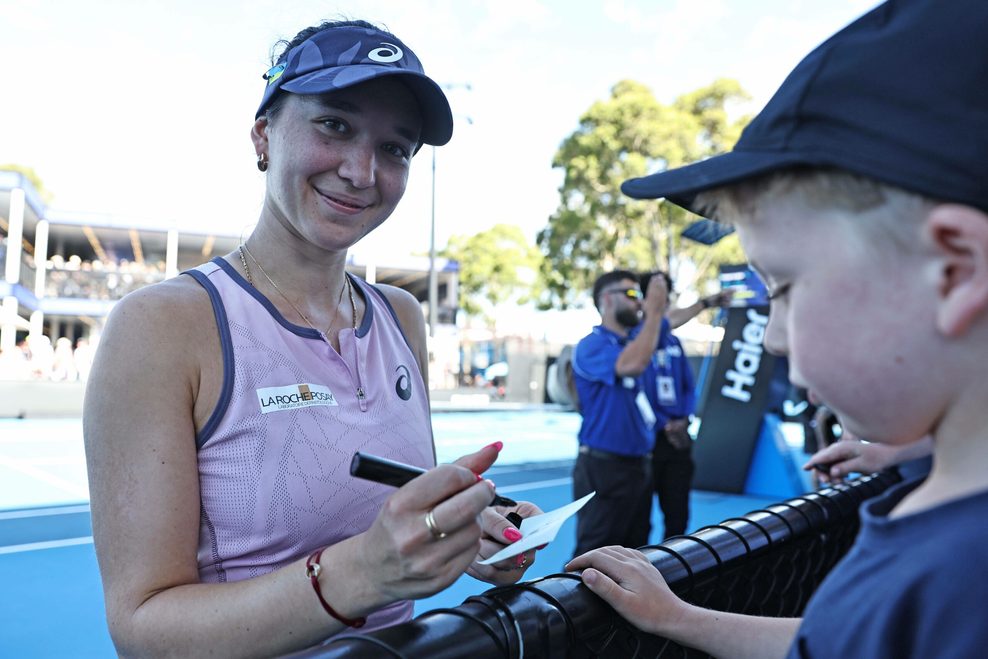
{"x": 596, "y": 228}
{"x": 496, "y": 266}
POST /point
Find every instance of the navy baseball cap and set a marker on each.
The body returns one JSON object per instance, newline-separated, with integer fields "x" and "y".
{"x": 340, "y": 57}
{"x": 899, "y": 95}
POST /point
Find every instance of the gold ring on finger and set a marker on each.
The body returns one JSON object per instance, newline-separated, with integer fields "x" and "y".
{"x": 430, "y": 522}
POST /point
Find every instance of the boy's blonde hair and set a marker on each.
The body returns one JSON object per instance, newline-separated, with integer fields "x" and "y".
{"x": 821, "y": 189}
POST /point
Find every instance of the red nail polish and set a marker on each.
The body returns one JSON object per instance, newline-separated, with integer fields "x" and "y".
{"x": 497, "y": 446}
{"x": 479, "y": 477}
{"x": 520, "y": 561}
{"x": 512, "y": 535}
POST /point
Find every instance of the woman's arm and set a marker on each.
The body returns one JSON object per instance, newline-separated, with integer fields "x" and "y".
{"x": 497, "y": 530}
{"x": 139, "y": 431}
{"x": 140, "y": 417}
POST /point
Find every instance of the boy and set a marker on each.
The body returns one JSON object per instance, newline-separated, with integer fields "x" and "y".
{"x": 859, "y": 193}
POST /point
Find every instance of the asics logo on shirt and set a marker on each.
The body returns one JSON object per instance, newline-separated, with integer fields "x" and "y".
{"x": 403, "y": 386}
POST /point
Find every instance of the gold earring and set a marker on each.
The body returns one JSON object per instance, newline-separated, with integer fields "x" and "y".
{"x": 262, "y": 162}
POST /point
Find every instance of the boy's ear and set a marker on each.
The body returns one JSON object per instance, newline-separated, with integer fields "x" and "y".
{"x": 960, "y": 236}
{"x": 259, "y": 135}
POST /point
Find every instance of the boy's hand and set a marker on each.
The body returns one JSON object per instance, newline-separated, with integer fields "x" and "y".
{"x": 855, "y": 456}
{"x": 625, "y": 579}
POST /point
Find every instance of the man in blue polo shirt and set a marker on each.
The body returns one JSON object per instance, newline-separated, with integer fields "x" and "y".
{"x": 617, "y": 433}
{"x": 669, "y": 386}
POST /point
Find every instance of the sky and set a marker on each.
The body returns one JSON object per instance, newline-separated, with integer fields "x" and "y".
{"x": 139, "y": 112}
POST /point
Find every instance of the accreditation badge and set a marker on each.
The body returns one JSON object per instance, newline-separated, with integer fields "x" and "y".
{"x": 666, "y": 387}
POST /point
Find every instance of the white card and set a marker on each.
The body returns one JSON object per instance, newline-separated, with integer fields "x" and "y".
{"x": 539, "y": 530}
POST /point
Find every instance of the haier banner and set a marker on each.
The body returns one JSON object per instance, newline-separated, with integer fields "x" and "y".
{"x": 737, "y": 388}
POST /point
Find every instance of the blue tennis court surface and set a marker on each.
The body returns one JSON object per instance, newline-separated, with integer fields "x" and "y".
{"x": 51, "y": 600}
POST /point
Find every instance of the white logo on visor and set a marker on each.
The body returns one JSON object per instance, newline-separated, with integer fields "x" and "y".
{"x": 387, "y": 53}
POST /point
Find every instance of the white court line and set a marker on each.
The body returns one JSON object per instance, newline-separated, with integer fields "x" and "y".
{"x": 54, "y": 544}
{"x": 51, "y": 544}
{"x": 14, "y": 439}
{"x": 45, "y": 477}
{"x": 58, "y": 460}
{"x": 43, "y": 512}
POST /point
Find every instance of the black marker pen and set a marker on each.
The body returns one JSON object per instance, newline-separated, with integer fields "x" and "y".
{"x": 396, "y": 474}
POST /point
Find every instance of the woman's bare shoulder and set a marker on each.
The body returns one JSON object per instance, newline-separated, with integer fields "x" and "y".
{"x": 173, "y": 312}
{"x": 403, "y": 302}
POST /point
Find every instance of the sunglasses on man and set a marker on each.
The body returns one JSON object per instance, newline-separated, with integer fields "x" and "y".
{"x": 630, "y": 293}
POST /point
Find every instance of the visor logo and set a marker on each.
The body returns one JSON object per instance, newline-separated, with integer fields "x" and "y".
{"x": 387, "y": 53}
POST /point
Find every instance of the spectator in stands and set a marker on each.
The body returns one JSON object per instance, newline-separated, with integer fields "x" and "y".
{"x": 63, "y": 362}
{"x": 853, "y": 187}
{"x": 14, "y": 363}
{"x": 42, "y": 356}
{"x": 618, "y": 427}
{"x": 83, "y": 356}
{"x": 225, "y": 405}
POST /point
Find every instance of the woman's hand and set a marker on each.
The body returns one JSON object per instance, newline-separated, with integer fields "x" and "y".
{"x": 625, "y": 579}
{"x": 401, "y": 556}
{"x": 498, "y": 533}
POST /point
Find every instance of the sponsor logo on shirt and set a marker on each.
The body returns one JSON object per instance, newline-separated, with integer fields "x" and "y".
{"x": 294, "y": 396}
{"x": 403, "y": 386}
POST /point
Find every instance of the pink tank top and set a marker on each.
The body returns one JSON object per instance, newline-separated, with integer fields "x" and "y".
{"x": 274, "y": 456}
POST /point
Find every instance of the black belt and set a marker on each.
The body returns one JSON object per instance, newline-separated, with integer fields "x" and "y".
{"x": 607, "y": 455}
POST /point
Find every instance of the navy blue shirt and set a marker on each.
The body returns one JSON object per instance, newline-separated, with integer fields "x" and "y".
{"x": 913, "y": 586}
{"x": 668, "y": 380}
{"x": 612, "y": 420}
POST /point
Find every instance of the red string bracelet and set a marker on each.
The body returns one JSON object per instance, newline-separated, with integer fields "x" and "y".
{"x": 312, "y": 570}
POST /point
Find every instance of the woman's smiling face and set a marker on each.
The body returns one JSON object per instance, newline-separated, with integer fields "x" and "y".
{"x": 339, "y": 162}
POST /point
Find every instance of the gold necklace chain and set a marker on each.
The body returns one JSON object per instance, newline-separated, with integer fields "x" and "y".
{"x": 348, "y": 287}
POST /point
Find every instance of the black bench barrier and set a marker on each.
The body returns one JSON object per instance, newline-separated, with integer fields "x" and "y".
{"x": 767, "y": 562}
